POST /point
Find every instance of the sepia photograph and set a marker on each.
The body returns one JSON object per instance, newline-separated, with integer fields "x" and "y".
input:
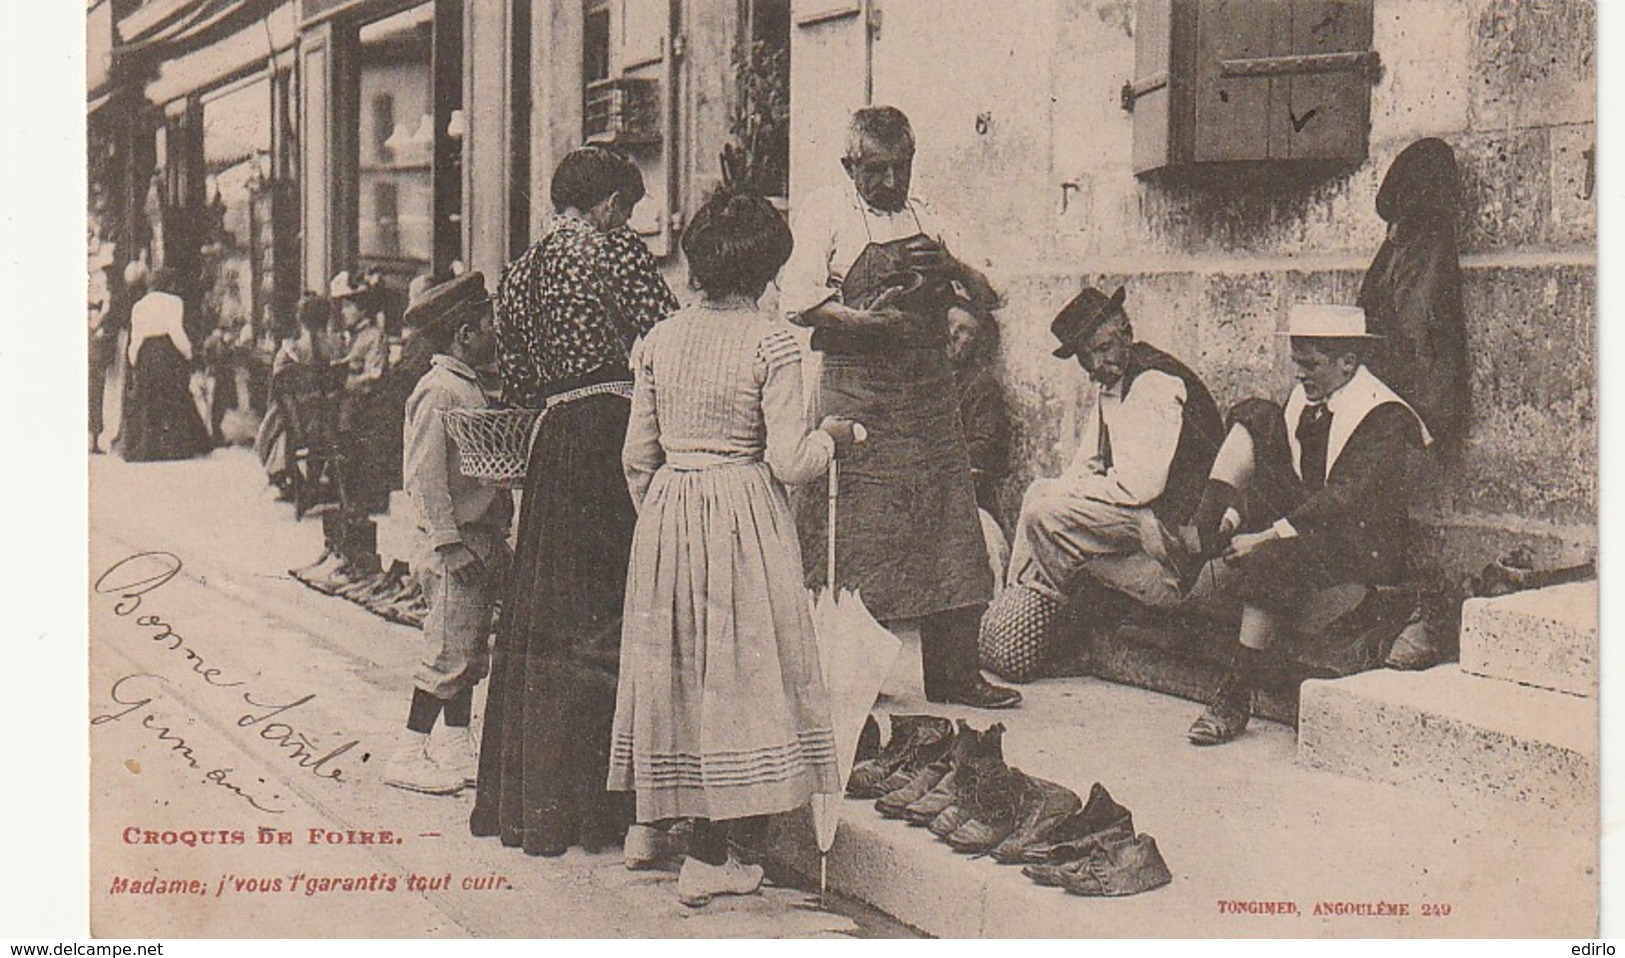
{"x": 841, "y": 469}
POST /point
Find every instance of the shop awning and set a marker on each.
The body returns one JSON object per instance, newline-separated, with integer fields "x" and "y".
{"x": 180, "y": 28}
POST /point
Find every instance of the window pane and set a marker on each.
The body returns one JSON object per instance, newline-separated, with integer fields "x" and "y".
{"x": 236, "y": 156}
{"x": 396, "y": 195}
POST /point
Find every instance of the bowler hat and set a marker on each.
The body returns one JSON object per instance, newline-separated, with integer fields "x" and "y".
{"x": 1079, "y": 319}
{"x": 459, "y": 300}
{"x": 1324, "y": 321}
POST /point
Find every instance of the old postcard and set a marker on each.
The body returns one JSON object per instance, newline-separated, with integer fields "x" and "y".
{"x": 810, "y": 468}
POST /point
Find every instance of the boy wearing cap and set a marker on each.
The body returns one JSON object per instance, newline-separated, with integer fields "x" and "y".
{"x": 1306, "y": 496}
{"x": 462, "y": 528}
{"x": 1151, "y": 434}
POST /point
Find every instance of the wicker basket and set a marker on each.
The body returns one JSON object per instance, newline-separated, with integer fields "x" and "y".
{"x": 493, "y": 445}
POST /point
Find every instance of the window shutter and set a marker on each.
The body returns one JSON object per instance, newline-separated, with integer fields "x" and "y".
{"x": 1244, "y": 81}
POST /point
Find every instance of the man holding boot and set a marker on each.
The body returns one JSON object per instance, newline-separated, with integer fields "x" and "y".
{"x": 1304, "y": 497}
{"x": 874, "y": 273}
{"x": 1108, "y": 520}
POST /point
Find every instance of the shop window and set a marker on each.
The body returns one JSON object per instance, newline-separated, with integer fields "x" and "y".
{"x": 618, "y": 107}
{"x": 1243, "y": 81}
{"x": 396, "y": 135}
{"x": 236, "y": 152}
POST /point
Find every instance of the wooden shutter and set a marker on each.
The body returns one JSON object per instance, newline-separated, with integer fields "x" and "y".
{"x": 1226, "y": 81}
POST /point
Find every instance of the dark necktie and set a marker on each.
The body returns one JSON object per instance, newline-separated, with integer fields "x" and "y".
{"x": 1314, "y": 434}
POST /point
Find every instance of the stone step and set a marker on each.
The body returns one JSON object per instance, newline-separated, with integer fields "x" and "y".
{"x": 1447, "y": 731}
{"x": 1543, "y": 637}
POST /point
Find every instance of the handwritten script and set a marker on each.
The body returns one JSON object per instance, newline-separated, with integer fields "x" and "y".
{"x": 129, "y": 584}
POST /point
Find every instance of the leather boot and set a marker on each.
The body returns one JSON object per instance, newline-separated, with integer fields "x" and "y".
{"x": 932, "y": 743}
{"x": 987, "y": 765}
{"x": 1050, "y": 874}
{"x": 895, "y": 804}
{"x": 907, "y": 733}
{"x": 995, "y": 811}
{"x": 868, "y": 741}
{"x": 1045, "y": 807}
{"x": 1228, "y": 714}
{"x": 1118, "y": 869}
{"x": 968, "y": 745}
{"x": 1100, "y": 818}
{"x": 388, "y": 587}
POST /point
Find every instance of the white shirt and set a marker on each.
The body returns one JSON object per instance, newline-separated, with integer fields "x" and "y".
{"x": 1349, "y": 406}
{"x": 1143, "y": 428}
{"x": 833, "y": 226}
{"x": 158, "y": 314}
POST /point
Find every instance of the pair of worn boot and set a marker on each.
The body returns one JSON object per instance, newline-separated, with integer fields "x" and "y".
{"x": 395, "y": 595}
{"x": 1108, "y": 866}
{"x": 916, "y": 742}
{"x": 1096, "y": 853}
{"x": 954, "y": 781}
{"x": 1100, "y": 819}
{"x": 349, "y": 556}
{"x": 927, "y": 768}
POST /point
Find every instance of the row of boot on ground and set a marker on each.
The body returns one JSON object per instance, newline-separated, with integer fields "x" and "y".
{"x": 350, "y": 568}
{"x": 954, "y": 781}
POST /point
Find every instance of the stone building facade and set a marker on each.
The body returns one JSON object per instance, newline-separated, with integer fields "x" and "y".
{"x": 1017, "y": 111}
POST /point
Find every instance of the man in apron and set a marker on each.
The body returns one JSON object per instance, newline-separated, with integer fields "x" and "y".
{"x": 874, "y": 273}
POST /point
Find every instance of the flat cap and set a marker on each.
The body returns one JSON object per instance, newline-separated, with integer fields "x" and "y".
{"x": 457, "y": 300}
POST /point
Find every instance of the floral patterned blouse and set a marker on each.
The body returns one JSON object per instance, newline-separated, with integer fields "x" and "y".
{"x": 572, "y": 304}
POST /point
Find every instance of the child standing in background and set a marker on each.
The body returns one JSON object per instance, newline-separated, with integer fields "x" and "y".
{"x": 462, "y": 528}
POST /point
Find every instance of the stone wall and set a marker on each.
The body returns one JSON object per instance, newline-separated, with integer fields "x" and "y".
{"x": 1015, "y": 108}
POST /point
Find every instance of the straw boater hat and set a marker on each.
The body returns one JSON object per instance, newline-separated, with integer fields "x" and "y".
{"x": 460, "y": 300}
{"x": 1079, "y": 319}
{"x": 1324, "y": 321}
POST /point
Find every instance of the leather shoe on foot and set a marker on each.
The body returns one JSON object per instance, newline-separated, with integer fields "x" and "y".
{"x": 981, "y": 694}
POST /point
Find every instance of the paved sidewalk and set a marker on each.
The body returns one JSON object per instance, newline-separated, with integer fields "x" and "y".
{"x": 1238, "y": 824}
{"x": 176, "y": 751}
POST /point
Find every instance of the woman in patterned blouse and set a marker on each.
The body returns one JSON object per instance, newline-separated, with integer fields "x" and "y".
{"x": 568, "y": 311}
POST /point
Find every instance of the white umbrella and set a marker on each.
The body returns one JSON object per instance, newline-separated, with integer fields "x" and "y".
{"x": 857, "y": 654}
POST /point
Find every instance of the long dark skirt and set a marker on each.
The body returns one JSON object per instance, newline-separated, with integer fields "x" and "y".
{"x": 160, "y": 419}
{"x": 544, "y": 755}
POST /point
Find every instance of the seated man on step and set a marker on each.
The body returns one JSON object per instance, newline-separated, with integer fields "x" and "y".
{"x": 1150, "y": 438}
{"x": 1305, "y": 497}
